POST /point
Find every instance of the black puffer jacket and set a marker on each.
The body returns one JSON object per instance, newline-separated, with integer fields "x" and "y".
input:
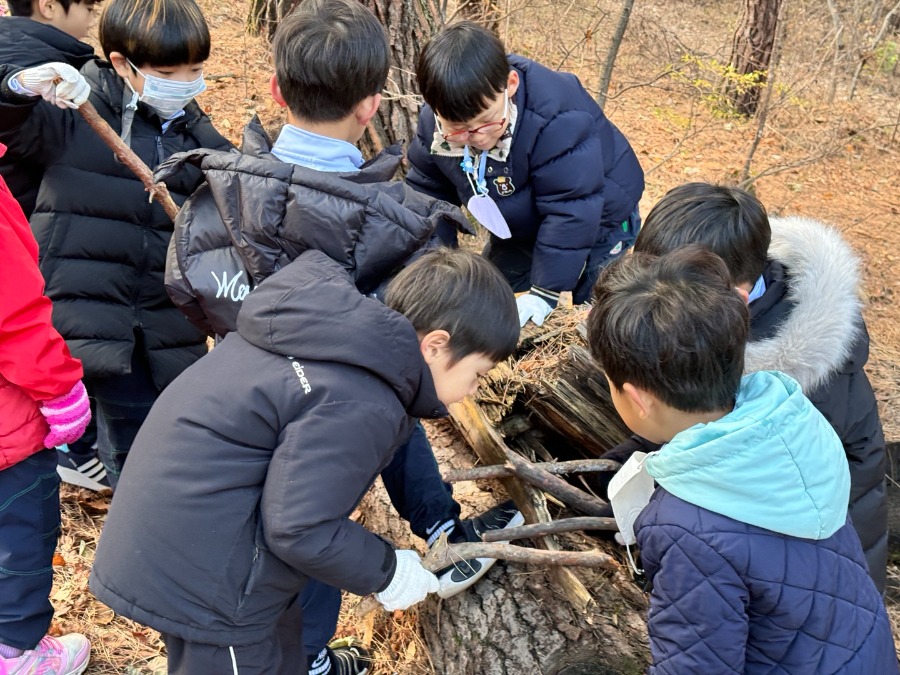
{"x": 26, "y": 43}
{"x": 256, "y": 214}
{"x": 263, "y": 449}
{"x": 102, "y": 244}
{"x": 809, "y": 325}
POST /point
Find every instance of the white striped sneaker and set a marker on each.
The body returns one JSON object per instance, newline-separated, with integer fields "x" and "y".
{"x": 85, "y": 471}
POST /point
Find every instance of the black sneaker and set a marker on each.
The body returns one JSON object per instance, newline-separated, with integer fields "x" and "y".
{"x": 348, "y": 657}
{"x": 459, "y": 576}
{"x": 83, "y": 470}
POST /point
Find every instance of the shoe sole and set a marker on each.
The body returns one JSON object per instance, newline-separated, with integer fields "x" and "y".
{"x": 75, "y": 477}
{"x": 450, "y": 588}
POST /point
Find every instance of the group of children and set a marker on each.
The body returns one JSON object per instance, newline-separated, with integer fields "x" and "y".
{"x": 342, "y": 318}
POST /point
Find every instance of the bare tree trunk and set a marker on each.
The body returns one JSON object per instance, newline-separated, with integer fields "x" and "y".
{"x": 746, "y": 181}
{"x": 409, "y": 25}
{"x": 613, "y": 52}
{"x": 752, "y": 51}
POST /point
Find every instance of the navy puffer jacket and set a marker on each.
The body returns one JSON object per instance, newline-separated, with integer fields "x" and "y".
{"x": 755, "y": 566}
{"x": 575, "y": 177}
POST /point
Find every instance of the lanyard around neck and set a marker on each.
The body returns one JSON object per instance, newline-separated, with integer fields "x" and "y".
{"x": 479, "y": 184}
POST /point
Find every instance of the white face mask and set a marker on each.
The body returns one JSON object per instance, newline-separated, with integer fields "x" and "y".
{"x": 167, "y": 97}
{"x": 629, "y": 492}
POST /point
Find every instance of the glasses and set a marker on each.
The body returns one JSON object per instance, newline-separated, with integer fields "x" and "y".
{"x": 489, "y": 128}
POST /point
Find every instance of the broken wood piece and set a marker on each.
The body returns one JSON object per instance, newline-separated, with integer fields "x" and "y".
{"x": 443, "y": 555}
{"x": 489, "y": 446}
{"x": 557, "y": 526}
{"x": 126, "y": 155}
{"x": 559, "y": 468}
{"x": 576, "y": 498}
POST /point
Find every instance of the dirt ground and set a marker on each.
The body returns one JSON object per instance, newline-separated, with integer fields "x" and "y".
{"x": 836, "y": 162}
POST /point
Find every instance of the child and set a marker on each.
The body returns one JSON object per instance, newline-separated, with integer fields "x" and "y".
{"x": 805, "y": 320}
{"x": 45, "y": 31}
{"x": 754, "y": 566}
{"x": 102, "y": 243}
{"x": 564, "y": 178}
{"x": 42, "y": 31}
{"x": 311, "y": 190}
{"x": 42, "y": 403}
{"x": 266, "y": 446}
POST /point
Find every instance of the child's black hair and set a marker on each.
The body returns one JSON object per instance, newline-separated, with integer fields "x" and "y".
{"x": 461, "y": 71}
{"x": 26, "y": 7}
{"x": 155, "y": 32}
{"x": 329, "y": 56}
{"x": 462, "y": 293}
{"x": 730, "y": 222}
{"x": 672, "y": 325}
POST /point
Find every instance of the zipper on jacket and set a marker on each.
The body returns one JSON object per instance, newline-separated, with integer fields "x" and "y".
{"x": 160, "y": 156}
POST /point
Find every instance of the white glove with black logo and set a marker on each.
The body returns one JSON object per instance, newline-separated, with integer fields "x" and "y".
{"x": 411, "y": 583}
{"x": 58, "y": 83}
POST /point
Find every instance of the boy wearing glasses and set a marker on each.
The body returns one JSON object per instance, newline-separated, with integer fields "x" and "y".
{"x": 533, "y": 157}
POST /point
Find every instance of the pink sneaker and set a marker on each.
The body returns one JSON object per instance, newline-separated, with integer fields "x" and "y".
{"x": 67, "y": 655}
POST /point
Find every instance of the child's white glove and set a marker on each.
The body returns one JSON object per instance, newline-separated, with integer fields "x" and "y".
{"x": 411, "y": 583}
{"x": 58, "y": 83}
{"x": 532, "y": 307}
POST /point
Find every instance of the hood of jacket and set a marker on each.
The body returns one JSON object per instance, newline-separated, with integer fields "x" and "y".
{"x": 817, "y": 336}
{"x": 275, "y": 210}
{"x": 311, "y": 309}
{"x": 25, "y": 42}
{"x": 773, "y": 462}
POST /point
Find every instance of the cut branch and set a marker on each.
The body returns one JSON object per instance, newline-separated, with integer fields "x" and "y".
{"x": 558, "y": 468}
{"x": 577, "y": 499}
{"x": 556, "y": 527}
{"x": 126, "y": 155}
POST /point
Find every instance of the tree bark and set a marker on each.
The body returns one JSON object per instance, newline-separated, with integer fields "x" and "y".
{"x": 613, "y": 52}
{"x": 515, "y": 621}
{"x": 409, "y": 25}
{"x": 752, "y": 52}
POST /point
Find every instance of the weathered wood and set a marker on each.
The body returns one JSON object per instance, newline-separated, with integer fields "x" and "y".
{"x": 572, "y": 496}
{"x": 577, "y": 405}
{"x": 556, "y": 527}
{"x": 491, "y": 449}
{"x": 505, "y": 471}
{"x": 126, "y": 155}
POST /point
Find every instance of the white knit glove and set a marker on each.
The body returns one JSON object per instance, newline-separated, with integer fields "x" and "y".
{"x": 532, "y": 307}
{"x": 58, "y": 83}
{"x": 411, "y": 583}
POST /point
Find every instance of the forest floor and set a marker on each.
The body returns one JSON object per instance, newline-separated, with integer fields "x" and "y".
{"x": 833, "y": 161}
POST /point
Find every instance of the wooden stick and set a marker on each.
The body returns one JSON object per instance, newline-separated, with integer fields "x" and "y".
{"x": 577, "y": 499}
{"x": 557, "y": 526}
{"x": 443, "y": 555}
{"x": 559, "y": 468}
{"x": 489, "y": 446}
{"x": 126, "y": 155}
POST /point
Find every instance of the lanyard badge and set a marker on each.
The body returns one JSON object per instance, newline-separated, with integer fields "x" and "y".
{"x": 480, "y": 205}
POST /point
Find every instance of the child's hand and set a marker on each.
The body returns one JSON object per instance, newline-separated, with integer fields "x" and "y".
{"x": 67, "y": 415}
{"x": 58, "y": 83}
{"x": 532, "y": 307}
{"x": 411, "y": 583}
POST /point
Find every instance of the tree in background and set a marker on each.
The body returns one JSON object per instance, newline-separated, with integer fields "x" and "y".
{"x": 409, "y": 24}
{"x": 751, "y": 53}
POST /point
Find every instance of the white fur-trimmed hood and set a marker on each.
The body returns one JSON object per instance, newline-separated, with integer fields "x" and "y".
{"x": 817, "y": 337}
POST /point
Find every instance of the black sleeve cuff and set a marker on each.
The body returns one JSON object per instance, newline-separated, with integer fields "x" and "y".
{"x": 550, "y": 297}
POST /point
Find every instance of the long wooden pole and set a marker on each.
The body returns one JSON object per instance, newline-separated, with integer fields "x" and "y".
{"x": 127, "y": 156}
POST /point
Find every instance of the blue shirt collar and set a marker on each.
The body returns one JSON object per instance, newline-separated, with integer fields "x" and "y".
{"x": 322, "y": 153}
{"x": 759, "y": 288}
